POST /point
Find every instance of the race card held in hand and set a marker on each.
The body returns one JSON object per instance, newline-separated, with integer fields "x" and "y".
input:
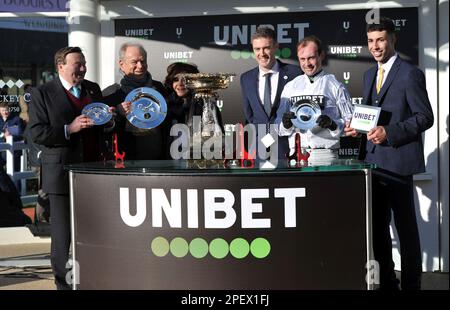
{"x": 365, "y": 118}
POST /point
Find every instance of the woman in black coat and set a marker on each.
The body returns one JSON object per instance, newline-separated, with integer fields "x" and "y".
{"x": 182, "y": 103}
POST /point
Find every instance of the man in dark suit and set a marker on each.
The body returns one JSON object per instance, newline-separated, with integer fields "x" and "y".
{"x": 138, "y": 144}
{"x": 65, "y": 137}
{"x": 262, "y": 86}
{"x": 396, "y": 147}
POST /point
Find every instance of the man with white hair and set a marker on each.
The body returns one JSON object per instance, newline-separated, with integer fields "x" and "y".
{"x": 138, "y": 144}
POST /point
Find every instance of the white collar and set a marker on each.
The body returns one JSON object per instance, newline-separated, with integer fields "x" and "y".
{"x": 275, "y": 69}
{"x": 66, "y": 84}
{"x": 388, "y": 64}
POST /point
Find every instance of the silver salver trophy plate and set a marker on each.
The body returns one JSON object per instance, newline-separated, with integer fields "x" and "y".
{"x": 306, "y": 114}
{"x": 148, "y": 108}
{"x": 98, "y": 112}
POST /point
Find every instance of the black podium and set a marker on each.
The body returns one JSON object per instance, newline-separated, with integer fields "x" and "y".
{"x": 173, "y": 225}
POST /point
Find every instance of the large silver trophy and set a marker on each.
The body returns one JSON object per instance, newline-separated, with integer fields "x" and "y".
{"x": 204, "y": 87}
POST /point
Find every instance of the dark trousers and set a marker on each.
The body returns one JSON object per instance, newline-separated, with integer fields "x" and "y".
{"x": 42, "y": 213}
{"x": 392, "y": 192}
{"x": 60, "y": 236}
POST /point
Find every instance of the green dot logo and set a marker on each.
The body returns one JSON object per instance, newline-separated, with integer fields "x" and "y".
{"x": 245, "y": 54}
{"x": 198, "y": 248}
{"x": 235, "y": 54}
{"x": 218, "y": 248}
{"x": 277, "y": 53}
{"x": 260, "y": 247}
{"x": 239, "y": 248}
{"x": 179, "y": 247}
{"x": 160, "y": 246}
{"x": 286, "y": 52}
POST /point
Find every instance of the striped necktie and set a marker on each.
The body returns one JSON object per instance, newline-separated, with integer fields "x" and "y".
{"x": 380, "y": 79}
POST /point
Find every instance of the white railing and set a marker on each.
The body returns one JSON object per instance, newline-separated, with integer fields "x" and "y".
{"x": 23, "y": 174}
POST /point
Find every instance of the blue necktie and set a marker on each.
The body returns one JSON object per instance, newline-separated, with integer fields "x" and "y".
{"x": 75, "y": 91}
{"x": 267, "y": 96}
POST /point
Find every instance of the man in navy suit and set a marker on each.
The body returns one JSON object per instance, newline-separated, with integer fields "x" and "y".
{"x": 262, "y": 86}
{"x": 65, "y": 137}
{"x": 396, "y": 147}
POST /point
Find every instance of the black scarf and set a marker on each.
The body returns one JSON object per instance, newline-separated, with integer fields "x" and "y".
{"x": 128, "y": 83}
{"x": 178, "y": 107}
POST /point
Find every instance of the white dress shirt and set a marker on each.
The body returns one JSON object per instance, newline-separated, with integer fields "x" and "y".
{"x": 386, "y": 67}
{"x": 273, "y": 82}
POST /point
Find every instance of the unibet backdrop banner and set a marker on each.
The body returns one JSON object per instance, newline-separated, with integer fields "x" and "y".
{"x": 221, "y": 43}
